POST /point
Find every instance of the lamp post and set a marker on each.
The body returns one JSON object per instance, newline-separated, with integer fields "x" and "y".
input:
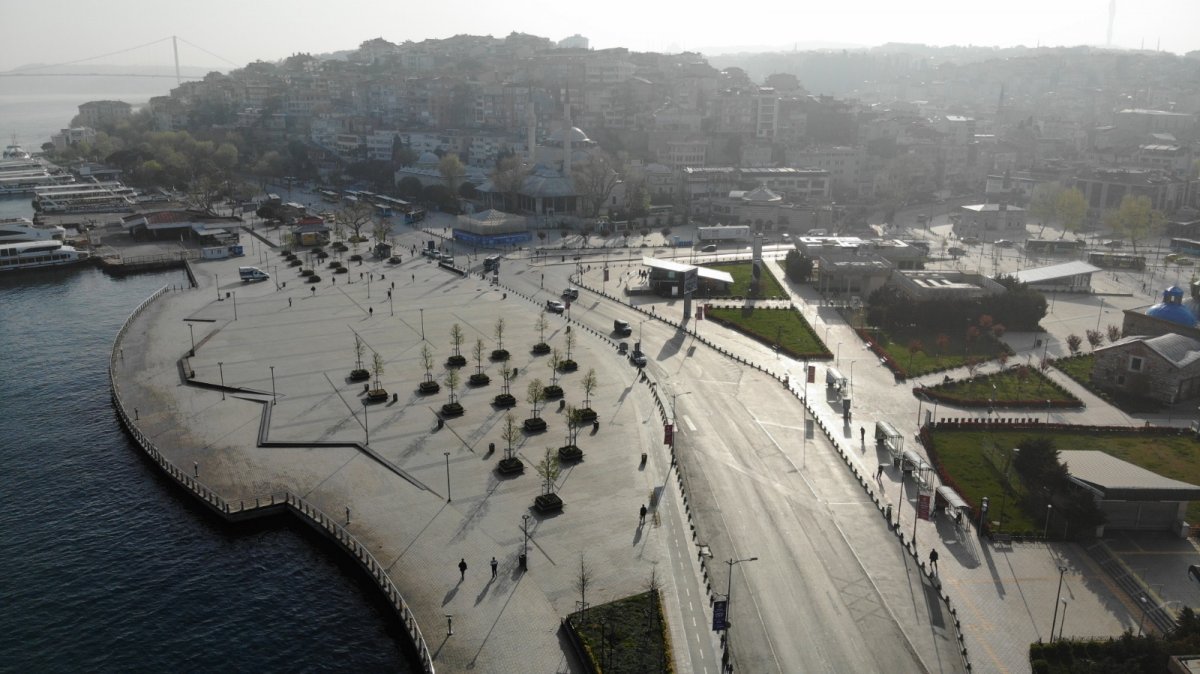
{"x": 221, "y": 369}
{"x": 826, "y": 340}
{"x": 839, "y": 353}
{"x": 192, "y": 332}
{"x": 1058, "y": 595}
{"x": 729, "y": 588}
{"x": 422, "y": 310}
{"x": 447, "y": 454}
{"x": 1047, "y": 411}
{"x": 235, "y": 305}
{"x": 366, "y": 423}
{"x": 1100, "y": 314}
{"x": 273, "y": 396}
{"x": 1046, "y": 529}
{"x": 673, "y": 397}
{"x": 640, "y": 329}
{"x": 525, "y": 548}
{"x": 217, "y": 283}
{"x": 852, "y": 375}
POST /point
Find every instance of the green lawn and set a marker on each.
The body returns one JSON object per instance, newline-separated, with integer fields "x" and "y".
{"x": 627, "y": 635}
{"x": 930, "y": 358}
{"x": 1006, "y": 386}
{"x": 1079, "y": 368}
{"x": 1173, "y": 456}
{"x": 785, "y": 327}
{"x": 742, "y": 272}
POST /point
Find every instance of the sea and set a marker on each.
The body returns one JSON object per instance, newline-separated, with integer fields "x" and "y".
{"x": 105, "y": 566}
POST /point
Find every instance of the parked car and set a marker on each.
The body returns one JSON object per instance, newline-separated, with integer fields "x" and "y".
{"x": 638, "y": 359}
{"x": 555, "y": 307}
{"x": 956, "y": 251}
{"x": 1004, "y": 243}
{"x": 1113, "y": 244}
{"x": 622, "y": 328}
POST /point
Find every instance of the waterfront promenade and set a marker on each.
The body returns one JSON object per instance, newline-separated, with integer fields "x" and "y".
{"x": 419, "y": 498}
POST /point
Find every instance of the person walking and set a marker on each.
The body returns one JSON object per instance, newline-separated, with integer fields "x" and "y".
{"x": 462, "y": 569}
{"x": 933, "y": 557}
{"x": 862, "y": 434}
{"x": 642, "y": 514}
{"x": 495, "y": 565}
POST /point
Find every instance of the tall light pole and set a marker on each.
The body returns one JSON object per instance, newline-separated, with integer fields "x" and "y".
{"x": 422, "y": 310}
{"x": 852, "y": 376}
{"x": 1101, "y": 314}
{"x": 273, "y": 396}
{"x": 1058, "y": 595}
{"x": 221, "y": 369}
{"x": 366, "y": 423}
{"x": 826, "y": 340}
{"x": 839, "y": 353}
{"x": 217, "y": 283}
{"x": 729, "y": 587}
{"x": 192, "y": 332}
{"x": 447, "y": 454}
{"x": 525, "y": 549}
{"x": 1145, "y": 607}
{"x": 673, "y": 397}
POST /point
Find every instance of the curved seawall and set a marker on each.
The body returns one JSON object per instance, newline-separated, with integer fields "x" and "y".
{"x": 266, "y": 505}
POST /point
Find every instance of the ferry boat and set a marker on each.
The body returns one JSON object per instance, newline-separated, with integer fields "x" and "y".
{"x": 38, "y": 255}
{"x": 17, "y": 230}
{"x": 25, "y": 176}
{"x": 95, "y": 197}
{"x": 15, "y": 151}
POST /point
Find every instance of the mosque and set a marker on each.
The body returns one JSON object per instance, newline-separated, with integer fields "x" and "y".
{"x": 1159, "y": 358}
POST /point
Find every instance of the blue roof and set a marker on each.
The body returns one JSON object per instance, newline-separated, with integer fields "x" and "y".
{"x": 1176, "y": 313}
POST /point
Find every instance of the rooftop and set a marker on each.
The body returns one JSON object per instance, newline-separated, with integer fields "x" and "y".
{"x": 1055, "y": 271}
{"x": 1121, "y": 480}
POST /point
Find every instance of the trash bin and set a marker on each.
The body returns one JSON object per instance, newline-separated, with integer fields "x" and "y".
{"x": 888, "y": 512}
{"x": 521, "y": 561}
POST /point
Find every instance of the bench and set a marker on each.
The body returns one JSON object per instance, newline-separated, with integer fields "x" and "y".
{"x": 1002, "y": 539}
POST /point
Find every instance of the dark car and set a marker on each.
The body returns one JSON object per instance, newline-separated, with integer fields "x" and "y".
{"x": 638, "y": 358}
{"x": 622, "y": 328}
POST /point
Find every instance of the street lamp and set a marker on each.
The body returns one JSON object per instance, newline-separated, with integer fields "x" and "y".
{"x": 422, "y": 310}
{"x": 673, "y": 397}
{"x": 273, "y": 396}
{"x": 852, "y": 375}
{"x": 826, "y": 340}
{"x": 235, "y": 305}
{"x": 1046, "y": 529}
{"x": 448, "y": 499}
{"x": 729, "y": 587}
{"x": 221, "y": 369}
{"x": 1145, "y": 607}
{"x": 839, "y": 353}
{"x": 525, "y": 549}
{"x": 192, "y": 332}
{"x": 1062, "y": 569}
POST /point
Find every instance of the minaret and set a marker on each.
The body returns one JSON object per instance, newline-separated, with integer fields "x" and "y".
{"x": 531, "y": 130}
{"x": 1112, "y": 16}
{"x": 567, "y": 136}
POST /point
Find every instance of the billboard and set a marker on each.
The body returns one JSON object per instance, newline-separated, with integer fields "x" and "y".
{"x": 691, "y": 281}
{"x": 719, "y": 608}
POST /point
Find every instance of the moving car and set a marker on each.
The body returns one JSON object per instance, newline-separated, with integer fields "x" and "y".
{"x": 710, "y": 248}
{"x": 1004, "y": 243}
{"x": 248, "y": 274}
{"x": 571, "y": 293}
{"x": 555, "y": 307}
{"x": 638, "y": 358}
{"x": 622, "y": 328}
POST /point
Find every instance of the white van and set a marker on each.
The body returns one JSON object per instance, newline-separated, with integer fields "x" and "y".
{"x": 252, "y": 274}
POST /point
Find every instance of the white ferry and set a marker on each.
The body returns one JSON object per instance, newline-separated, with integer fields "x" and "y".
{"x": 95, "y": 197}
{"x": 38, "y": 255}
{"x": 25, "y": 176}
{"x": 17, "y": 230}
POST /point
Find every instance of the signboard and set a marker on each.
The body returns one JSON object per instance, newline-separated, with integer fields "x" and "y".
{"x": 691, "y": 281}
{"x": 809, "y": 429}
{"x": 923, "y": 506}
{"x": 668, "y": 434}
{"x": 719, "y": 608}
{"x": 812, "y": 373}
{"x": 606, "y": 274}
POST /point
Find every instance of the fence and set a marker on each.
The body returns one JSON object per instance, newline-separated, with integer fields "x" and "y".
{"x": 276, "y": 503}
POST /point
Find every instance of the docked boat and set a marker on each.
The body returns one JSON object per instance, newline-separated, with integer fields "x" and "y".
{"x": 25, "y": 176}
{"x": 94, "y": 197}
{"x": 15, "y": 151}
{"x": 38, "y": 255}
{"x": 18, "y": 230}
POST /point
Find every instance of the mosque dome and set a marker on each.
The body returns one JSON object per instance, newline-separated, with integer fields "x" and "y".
{"x": 428, "y": 158}
{"x": 576, "y": 135}
{"x": 1172, "y": 309}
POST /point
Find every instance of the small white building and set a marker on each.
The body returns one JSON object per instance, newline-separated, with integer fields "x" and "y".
{"x": 1069, "y": 277}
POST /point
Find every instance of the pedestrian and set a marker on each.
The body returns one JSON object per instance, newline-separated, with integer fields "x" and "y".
{"x": 289, "y": 302}
{"x": 879, "y": 473}
{"x": 371, "y": 311}
{"x": 462, "y": 569}
{"x": 495, "y": 565}
{"x": 933, "y": 557}
{"x": 862, "y": 433}
{"x": 642, "y": 514}
{"x": 414, "y": 278}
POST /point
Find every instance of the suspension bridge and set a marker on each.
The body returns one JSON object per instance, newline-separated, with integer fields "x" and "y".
{"x": 45, "y": 70}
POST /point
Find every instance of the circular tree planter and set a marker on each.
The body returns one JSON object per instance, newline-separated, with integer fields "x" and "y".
{"x": 377, "y": 395}
{"x": 570, "y": 453}
{"x": 294, "y": 262}
{"x": 428, "y": 387}
{"x": 535, "y": 425}
{"x": 306, "y": 272}
{"x": 568, "y": 366}
{"x": 553, "y": 392}
{"x": 452, "y": 410}
{"x": 359, "y": 375}
{"x": 356, "y": 258}
{"x": 548, "y": 503}
{"x": 335, "y": 264}
{"x": 500, "y": 355}
{"x": 478, "y": 379}
{"x": 340, "y": 270}
{"x": 456, "y": 361}
{"x": 541, "y": 349}
{"x": 504, "y": 400}
{"x": 511, "y": 466}
{"x": 584, "y": 415}
{"x": 314, "y": 279}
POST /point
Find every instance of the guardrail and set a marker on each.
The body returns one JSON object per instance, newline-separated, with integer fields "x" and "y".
{"x": 275, "y": 503}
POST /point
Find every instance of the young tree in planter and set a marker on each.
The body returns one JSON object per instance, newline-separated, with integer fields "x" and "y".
{"x": 506, "y": 398}
{"x": 548, "y": 469}
{"x": 535, "y": 394}
{"x": 377, "y": 370}
{"x": 429, "y": 385}
{"x": 567, "y": 364}
{"x": 510, "y": 433}
{"x": 571, "y": 451}
{"x": 1095, "y": 338}
{"x": 359, "y": 372}
{"x": 554, "y": 391}
{"x": 1114, "y": 333}
{"x": 456, "y": 340}
{"x": 479, "y": 378}
{"x": 541, "y": 325}
{"x": 500, "y": 354}
{"x": 585, "y": 414}
{"x": 452, "y": 382}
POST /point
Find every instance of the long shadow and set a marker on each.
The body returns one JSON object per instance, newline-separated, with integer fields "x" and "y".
{"x": 964, "y": 551}
{"x": 991, "y": 564}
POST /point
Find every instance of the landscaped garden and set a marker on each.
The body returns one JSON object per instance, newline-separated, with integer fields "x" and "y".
{"x": 973, "y": 460}
{"x": 786, "y": 328}
{"x": 742, "y": 273}
{"x": 915, "y": 352}
{"x": 1021, "y": 387}
{"x": 627, "y": 635}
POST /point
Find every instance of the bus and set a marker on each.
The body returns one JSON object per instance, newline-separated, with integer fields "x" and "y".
{"x": 328, "y": 196}
{"x": 1053, "y": 246}
{"x": 1117, "y": 261}
{"x": 1185, "y": 246}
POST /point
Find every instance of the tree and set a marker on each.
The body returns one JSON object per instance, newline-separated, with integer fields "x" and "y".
{"x": 1071, "y": 208}
{"x": 381, "y": 232}
{"x": 798, "y": 266}
{"x": 1135, "y": 218}
{"x": 637, "y": 198}
{"x": 456, "y": 339}
{"x": 452, "y": 171}
{"x": 478, "y": 352}
{"x": 1073, "y": 343}
{"x": 410, "y": 187}
{"x": 355, "y": 217}
{"x": 541, "y": 326}
{"x": 510, "y": 433}
{"x": 589, "y": 387}
{"x": 1114, "y": 333}
{"x": 535, "y": 393}
{"x": 582, "y": 580}
{"x": 1094, "y": 338}
{"x": 508, "y": 178}
{"x": 1043, "y": 203}
{"x": 377, "y": 370}
{"x": 427, "y": 361}
{"x": 915, "y": 346}
{"x": 570, "y": 339}
{"x": 549, "y": 469}
{"x": 452, "y": 382}
{"x": 499, "y": 332}
{"x": 555, "y": 362}
{"x": 595, "y": 180}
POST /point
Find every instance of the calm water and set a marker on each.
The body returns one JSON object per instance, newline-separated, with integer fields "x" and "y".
{"x": 106, "y": 567}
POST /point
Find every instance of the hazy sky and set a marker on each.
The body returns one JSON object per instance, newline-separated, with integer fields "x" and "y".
{"x": 55, "y": 31}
